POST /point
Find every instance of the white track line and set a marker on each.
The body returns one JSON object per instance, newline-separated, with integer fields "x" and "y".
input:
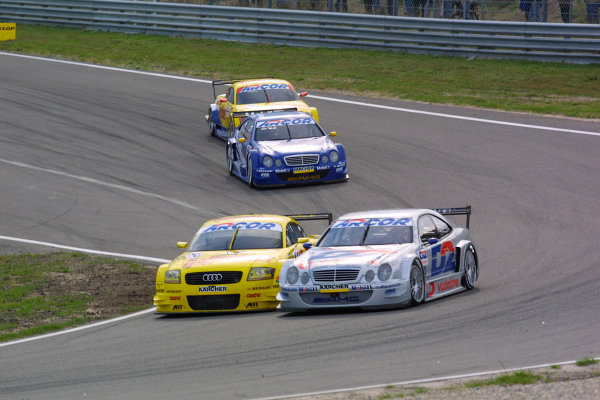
{"x": 331, "y": 99}
{"x": 102, "y": 183}
{"x": 82, "y": 250}
{"x": 79, "y": 328}
{"x": 434, "y": 114}
{"x": 417, "y": 381}
{"x": 90, "y": 251}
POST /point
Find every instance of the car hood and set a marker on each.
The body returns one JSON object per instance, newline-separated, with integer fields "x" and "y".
{"x": 193, "y": 260}
{"x": 349, "y": 256}
{"x": 317, "y": 145}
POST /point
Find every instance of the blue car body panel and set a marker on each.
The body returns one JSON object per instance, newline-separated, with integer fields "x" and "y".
{"x": 294, "y": 160}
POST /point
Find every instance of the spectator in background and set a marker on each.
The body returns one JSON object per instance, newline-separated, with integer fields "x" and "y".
{"x": 341, "y": 5}
{"x": 417, "y": 8}
{"x": 447, "y": 8}
{"x": 372, "y": 6}
{"x": 432, "y": 8}
{"x": 592, "y": 11}
{"x": 565, "y": 10}
{"x": 525, "y": 6}
{"x": 538, "y": 11}
{"x": 392, "y": 7}
{"x": 535, "y": 11}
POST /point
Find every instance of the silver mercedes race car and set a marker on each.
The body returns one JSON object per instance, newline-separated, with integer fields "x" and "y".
{"x": 382, "y": 259}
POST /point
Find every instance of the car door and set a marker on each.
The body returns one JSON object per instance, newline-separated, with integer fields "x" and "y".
{"x": 438, "y": 254}
{"x": 444, "y": 253}
{"x": 245, "y": 132}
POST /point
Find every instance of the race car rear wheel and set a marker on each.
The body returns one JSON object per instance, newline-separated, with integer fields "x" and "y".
{"x": 250, "y": 172}
{"x": 417, "y": 285}
{"x": 230, "y": 160}
{"x": 471, "y": 269}
{"x": 212, "y": 128}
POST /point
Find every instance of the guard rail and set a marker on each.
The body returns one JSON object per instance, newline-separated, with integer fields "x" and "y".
{"x": 573, "y": 43}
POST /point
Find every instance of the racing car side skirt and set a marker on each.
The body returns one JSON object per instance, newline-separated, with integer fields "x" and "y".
{"x": 443, "y": 286}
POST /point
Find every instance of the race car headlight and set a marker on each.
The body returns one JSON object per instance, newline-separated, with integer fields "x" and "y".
{"x": 278, "y": 163}
{"x": 261, "y": 273}
{"x": 334, "y": 156}
{"x": 324, "y": 159}
{"x": 268, "y": 161}
{"x": 304, "y": 278}
{"x": 173, "y": 276}
{"x": 384, "y": 273}
{"x": 370, "y": 275}
{"x": 292, "y": 275}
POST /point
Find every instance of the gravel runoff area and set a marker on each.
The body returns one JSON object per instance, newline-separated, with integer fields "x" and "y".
{"x": 564, "y": 382}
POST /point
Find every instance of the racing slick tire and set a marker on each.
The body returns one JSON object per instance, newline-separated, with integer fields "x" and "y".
{"x": 250, "y": 172}
{"x": 471, "y": 269}
{"x": 230, "y": 160}
{"x": 212, "y": 128}
{"x": 417, "y": 285}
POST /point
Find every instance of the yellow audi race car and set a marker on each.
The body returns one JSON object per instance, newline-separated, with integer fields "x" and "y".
{"x": 250, "y": 96}
{"x": 232, "y": 264}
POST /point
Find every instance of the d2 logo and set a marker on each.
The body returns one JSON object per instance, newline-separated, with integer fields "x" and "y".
{"x": 443, "y": 258}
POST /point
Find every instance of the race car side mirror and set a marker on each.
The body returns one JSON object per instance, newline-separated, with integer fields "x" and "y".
{"x": 182, "y": 245}
{"x": 432, "y": 240}
{"x": 241, "y": 140}
{"x": 222, "y": 100}
{"x": 303, "y": 94}
{"x": 334, "y": 133}
{"x": 307, "y": 245}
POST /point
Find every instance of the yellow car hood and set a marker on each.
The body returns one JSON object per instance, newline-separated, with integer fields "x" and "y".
{"x": 190, "y": 261}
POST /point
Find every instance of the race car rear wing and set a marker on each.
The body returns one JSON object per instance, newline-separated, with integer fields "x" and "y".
{"x": 316, "y": 216}
{"x": 456, "y": 211}
{"x": 221, "y": 82}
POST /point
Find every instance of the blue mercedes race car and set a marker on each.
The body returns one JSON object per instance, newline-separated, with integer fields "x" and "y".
{"x": 284, "y": 148}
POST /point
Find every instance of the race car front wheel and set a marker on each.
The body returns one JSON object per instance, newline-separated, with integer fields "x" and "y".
{"x": 212, "y": 129}
{"x": 250, "y": 173}
{"x": 417, "y": 285}
{"x": 471, "y": 269}
{"x": 230, "y": 160}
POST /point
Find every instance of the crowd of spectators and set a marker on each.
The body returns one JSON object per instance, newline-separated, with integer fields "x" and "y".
{"x": 537, "y": 10}
{"x": 533, "y": 10}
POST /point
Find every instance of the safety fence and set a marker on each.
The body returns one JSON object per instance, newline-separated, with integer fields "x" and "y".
{"x": 567, "y": 11}
{"x": 576, "y": 43}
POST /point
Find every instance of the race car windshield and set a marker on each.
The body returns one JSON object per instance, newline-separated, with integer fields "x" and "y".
{"x": 244, "y": 239}
{"x": 266, "y": 96}
{"x": 287, "y": 131}
{"x": 365, "y": 235}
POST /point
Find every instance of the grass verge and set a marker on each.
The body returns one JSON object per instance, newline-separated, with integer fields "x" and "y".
{"x": 41, "y": 293}
{"x": 545, "y": 88}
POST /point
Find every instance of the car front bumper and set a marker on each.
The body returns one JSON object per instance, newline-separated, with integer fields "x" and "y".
{"x": 297, "y": 298}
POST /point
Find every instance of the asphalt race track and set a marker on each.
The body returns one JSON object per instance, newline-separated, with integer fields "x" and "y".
{"x": 122, "y": 162}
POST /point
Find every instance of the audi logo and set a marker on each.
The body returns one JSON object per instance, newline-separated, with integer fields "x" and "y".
{"x": 212, "y": 277}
